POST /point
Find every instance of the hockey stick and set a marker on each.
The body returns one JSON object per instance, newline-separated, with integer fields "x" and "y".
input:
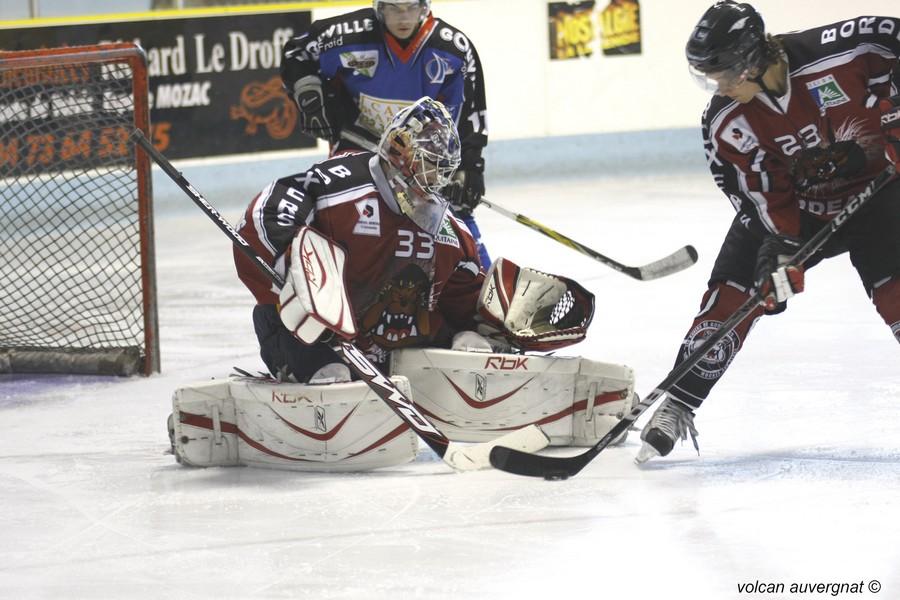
{"x": 550, "y": 467}
{"x": 677, "y": 261}
{"x": 462, "y": 457}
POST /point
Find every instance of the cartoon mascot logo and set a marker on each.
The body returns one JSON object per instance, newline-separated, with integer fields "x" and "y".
{"x": 266, "y": 104}
{"x": 399, "y": 316}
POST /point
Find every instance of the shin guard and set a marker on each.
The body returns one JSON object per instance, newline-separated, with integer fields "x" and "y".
{"x": 720, "y": 301}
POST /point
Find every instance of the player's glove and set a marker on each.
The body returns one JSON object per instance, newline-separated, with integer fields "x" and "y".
{"x": 775, "y": 280}
{"x": 314, "y": 117}
{"x": 467, "y": 187}
{"x": 890, "y": 126}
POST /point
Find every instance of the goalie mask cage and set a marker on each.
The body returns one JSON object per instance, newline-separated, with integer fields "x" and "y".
{"x": 77, "y": 281}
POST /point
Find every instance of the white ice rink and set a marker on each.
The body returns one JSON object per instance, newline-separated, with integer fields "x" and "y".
{"x": 798, "y": 480}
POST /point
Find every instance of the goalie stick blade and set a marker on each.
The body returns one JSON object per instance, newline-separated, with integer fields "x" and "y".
{"x": 677, "y": 261}
{"x": 534, "y": 465}
{"x": 472, "y": 457}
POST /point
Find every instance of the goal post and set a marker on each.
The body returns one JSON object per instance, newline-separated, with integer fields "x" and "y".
{"x": 77, "y": 273}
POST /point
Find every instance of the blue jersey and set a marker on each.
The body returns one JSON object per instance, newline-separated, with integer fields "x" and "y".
{"x": 369, "y": 76}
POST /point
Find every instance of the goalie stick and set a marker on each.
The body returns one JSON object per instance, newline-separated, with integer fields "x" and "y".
{"x": 461, "y": 457}
{"x": 556, "y": 467}
{"x": 677, "y": 261}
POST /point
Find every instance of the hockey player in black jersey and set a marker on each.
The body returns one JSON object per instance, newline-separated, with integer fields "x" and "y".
{"x": 350, "y": 74}
{"x": 791, "y": 136}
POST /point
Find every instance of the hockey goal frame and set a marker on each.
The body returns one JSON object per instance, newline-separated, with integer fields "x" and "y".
{"x": 116, "y": 361}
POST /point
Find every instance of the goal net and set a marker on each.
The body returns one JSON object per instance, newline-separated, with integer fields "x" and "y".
{"x": 77, "y": 282}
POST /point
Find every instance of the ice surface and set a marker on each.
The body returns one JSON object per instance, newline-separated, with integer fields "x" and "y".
{"x": 798, "y": 477}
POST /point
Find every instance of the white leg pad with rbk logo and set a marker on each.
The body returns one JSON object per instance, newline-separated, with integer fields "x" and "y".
{"x": 334, "y": 427}
{"x": 314, "y": 297}
{"x": 477, "y": 396}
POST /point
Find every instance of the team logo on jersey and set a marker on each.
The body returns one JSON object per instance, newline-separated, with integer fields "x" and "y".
{"x": 369, "y": 222}
{"x": 375, "y": 113}
{"x": 446, "y": 235}
{"x": 739, "y": 134}
{"x": 399, "y": 316}
{"x": 827, "y": 92}
{"x": 362, "y": 63}
{"x": 437, "y": 69}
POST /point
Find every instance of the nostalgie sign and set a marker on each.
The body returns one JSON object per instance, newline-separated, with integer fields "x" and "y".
{"x": 214, "y": 81}
{"x": 576, "y": 28}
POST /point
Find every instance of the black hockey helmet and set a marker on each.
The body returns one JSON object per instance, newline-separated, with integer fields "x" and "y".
{"x": 728, "y": 42}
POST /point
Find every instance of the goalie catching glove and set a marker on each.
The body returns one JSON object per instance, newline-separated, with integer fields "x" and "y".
{"x": 533, "y": 310}
{"x": 314, "y": 296}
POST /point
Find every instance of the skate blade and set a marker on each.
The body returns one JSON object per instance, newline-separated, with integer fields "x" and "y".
{"x": 645, "y": 453}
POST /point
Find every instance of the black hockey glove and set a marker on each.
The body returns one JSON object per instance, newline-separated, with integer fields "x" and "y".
{"x": 467, "y": 187}
{"x": 890, "y": 126}
{"x": 775, "y": 281}
{"x": 314, "y": 111}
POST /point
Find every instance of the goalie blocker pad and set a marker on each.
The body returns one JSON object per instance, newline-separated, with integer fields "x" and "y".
{"x": 475, "y": 396}
{"x": 533, "y": 310}
{"x": 314, "y": 297}
{"x": 244, "y": 421}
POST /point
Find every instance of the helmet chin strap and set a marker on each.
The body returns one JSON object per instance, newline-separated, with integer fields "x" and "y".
{"x": 769, "y": 92}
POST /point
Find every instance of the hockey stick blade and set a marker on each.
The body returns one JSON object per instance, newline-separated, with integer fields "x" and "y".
{"x": 555, "y": 467}
{"x": 534, "y": 465}
{"x": 677, "y": 261}
{"x": 473, "y": 457}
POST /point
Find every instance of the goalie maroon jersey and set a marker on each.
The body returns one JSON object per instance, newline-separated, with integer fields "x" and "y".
{"x": 405, "y": 283}
{"x": 769, "y": 159}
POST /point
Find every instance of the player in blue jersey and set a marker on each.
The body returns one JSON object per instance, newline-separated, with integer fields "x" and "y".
{"x": 352, "y": 73}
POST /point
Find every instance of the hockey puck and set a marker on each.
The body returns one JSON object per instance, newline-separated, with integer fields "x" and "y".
{"x": 556, "y": 476}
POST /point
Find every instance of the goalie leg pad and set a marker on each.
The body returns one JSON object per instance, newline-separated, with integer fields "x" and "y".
{"x": 335, "y": 427}
{"x": 476, "y": 397}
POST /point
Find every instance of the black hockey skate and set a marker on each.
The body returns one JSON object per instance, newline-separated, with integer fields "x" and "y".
{"x": 671, "y": 421}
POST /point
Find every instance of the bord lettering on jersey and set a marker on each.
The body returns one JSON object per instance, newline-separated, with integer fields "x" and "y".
{"x": 864, "y": 25}
{"x": 504, "y": 363}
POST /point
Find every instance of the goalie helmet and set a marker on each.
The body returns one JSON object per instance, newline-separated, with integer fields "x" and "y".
{"x": 421, "y": 150}
{"x": 425, "y": 5}
{"x": 727, "y": 44}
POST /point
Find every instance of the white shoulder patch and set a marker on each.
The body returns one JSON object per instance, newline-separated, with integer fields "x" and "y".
{"x": 369, "y": 222}
{"x": 446, "y": 234}
{"x": 739, "y": 134}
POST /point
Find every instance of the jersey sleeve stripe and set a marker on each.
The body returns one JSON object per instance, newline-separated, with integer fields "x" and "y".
{"x": 351, "y": 195}
{"x": 259, "y": 218}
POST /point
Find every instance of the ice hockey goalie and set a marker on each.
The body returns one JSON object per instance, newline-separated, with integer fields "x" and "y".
{"x": 483, "y": 386}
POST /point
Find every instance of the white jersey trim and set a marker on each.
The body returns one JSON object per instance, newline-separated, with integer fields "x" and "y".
{"x": 351, "y": 195}
{"x": 758, "y": 199}
{"x": 836, "y": 60}
{"x": 259, "y": 218}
